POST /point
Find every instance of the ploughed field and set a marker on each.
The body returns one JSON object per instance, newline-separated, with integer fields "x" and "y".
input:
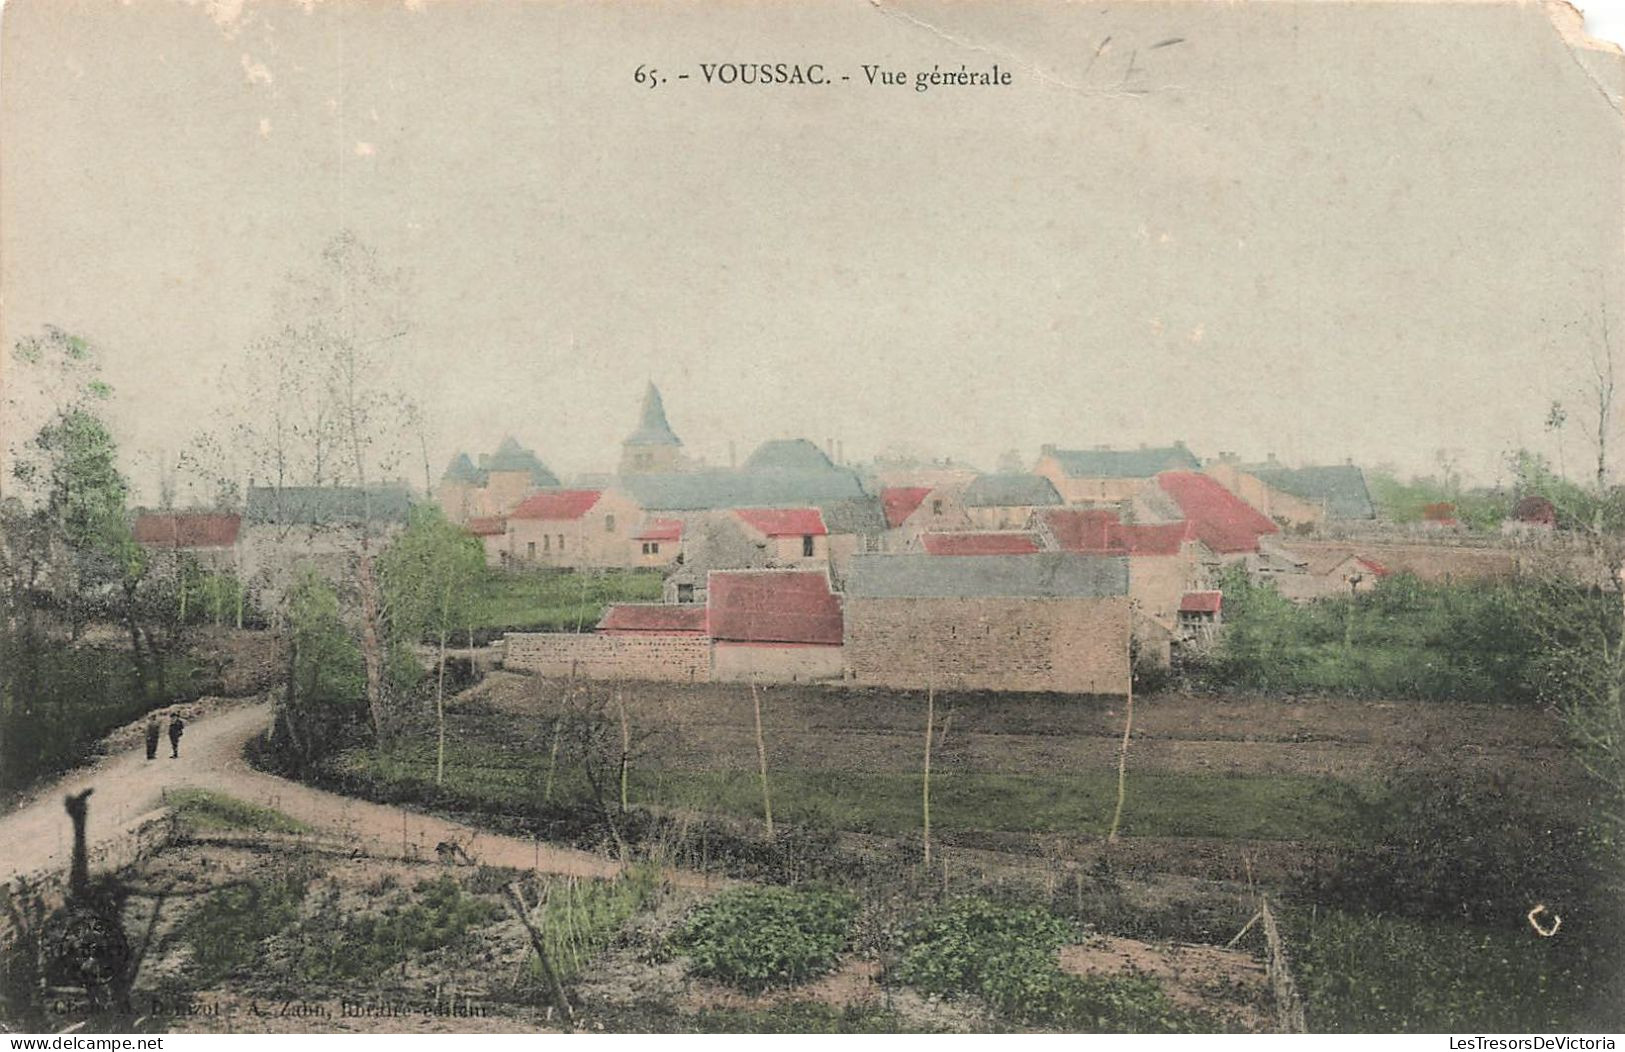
{"x": 1217, "y": 786}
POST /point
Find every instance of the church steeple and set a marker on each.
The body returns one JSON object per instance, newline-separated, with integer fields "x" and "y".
{"x": 653, "y": 446}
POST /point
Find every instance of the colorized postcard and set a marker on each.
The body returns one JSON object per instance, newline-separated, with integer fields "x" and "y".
{"x": 907, "y": 516}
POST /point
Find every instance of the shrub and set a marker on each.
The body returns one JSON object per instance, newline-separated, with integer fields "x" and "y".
{"x": 1437, "y": 846}
{"x": 225, "y": 931}
{"x": 755, "y": 938}
{"x": 1006, "y": 955}
{"x": 357, "y": 946}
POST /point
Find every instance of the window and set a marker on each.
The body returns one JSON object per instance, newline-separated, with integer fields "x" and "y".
{"x": 936, "y": 507}
{"x": 530, "y": 550}
{"x": 561, "y": 542}
{"x": 806, "y": 545}
{"x": 547, "y": 544}
{"x": 685, "y": 593}
{"x": 609, "y": 524}
{"x": 651, "y": 547}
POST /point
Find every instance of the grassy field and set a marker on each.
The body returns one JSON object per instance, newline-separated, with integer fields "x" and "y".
{"x": 556, "y": 602}
{"x": 1268, "y": 807}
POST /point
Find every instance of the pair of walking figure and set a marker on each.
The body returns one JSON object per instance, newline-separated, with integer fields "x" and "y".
{"x": 176, "y": 726}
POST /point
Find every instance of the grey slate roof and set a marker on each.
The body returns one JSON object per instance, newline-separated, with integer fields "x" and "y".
{"x": 1340, "y": 488}
{"x": 1046, "y": 575}
{"x": 1125, "y": 463}
{"x": 326, "y": 505}
{"x": 700, "y": 490}
{"x": 462, "y": 469}
{"x": 1010, "y": 491}
{"x": 653, "y": 430}
{"x": 511, "y": 456}
{"x": 788, "y": 454}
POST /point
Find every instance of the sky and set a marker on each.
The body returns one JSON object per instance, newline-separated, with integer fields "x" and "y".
{"x": 1319, "y": 230}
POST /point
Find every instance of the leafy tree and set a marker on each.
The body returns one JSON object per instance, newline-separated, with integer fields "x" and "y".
{"x": 325, "y": 687}
{"x": 430, "y": 576}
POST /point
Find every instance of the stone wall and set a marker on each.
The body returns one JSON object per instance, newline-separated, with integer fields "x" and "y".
{"x": 1074, "y": 646}
{"x": 789, "y": 663}
{"x": 669, "y": 657}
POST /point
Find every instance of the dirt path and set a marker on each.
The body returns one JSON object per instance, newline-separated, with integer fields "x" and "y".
{"x": 37, "y": 839}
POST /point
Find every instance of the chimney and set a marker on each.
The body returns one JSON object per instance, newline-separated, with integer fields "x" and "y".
{"x": 1269, "y": 458}
{"x": 1047, "y": 449}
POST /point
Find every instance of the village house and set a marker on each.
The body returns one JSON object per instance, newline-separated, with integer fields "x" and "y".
{"x": 1229, "y": 526}
{"x": 1051, "y": 621}
{"x": 578, "y": 529}
{"x": 913, "y": 510}
{"x": 288, "y": 528}
{"x": 1007, "y": 501}
{"x": 500, "y": 482}
{"x": 658, "y": 542}
{"x": 1306, "y": 496}
{"x": 1166, "y": 563}
{"x": 792, "y": 536}
{"x": 1330, "y": 573}
{"x": 1109, "y": 476}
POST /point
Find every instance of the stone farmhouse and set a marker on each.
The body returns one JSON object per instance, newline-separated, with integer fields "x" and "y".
{"x": 1052, "y": 621}
{"x": 1307, "y": 496}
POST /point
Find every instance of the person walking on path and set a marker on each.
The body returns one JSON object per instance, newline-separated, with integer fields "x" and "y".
{"x": 176, "y": 726}
{"x": 153, "y": 732}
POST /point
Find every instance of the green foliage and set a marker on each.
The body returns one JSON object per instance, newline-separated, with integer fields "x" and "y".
{"x": 325, "y": 695}
{"x": 1006, "y": 955}
{"x": 57, "y": 701}
{"x": 202, "y": 809}
{"x": 1442, "y": 847}
{"x": 336, "y": 943}
{"x": 579, "y": 919}
{"x": 225, "y": 931}
{"x": 1405, "y": 639}
{"x": 1480, "y": 509}
{"x": 1390, "y": 975}
{"x": 760, "y": 937}
{"x": 429, "y": 575}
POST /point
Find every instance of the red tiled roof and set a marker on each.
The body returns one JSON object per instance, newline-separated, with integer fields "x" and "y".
{"x": 772, "y": 606}
{"x": 1083, "y": 529}
{"x": 1154, "y": 538}
{"x": 1004, "y": 543}
{"x": 660, "y": 530}
{"x": 1201, "y": 602}
{"x": 784, "y": 522}
{"x": 490, "y": 526}
{"x": 187, "y": 529}
{"x": 1219, "y": 519}
{"x": 1098, "y": 530}
{"x": 902, "y": 501}
{"x": 654, "y": 617}
{"x": 557, "y": 505}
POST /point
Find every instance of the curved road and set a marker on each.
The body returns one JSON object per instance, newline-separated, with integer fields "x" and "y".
{"x": 36, "y": 839}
